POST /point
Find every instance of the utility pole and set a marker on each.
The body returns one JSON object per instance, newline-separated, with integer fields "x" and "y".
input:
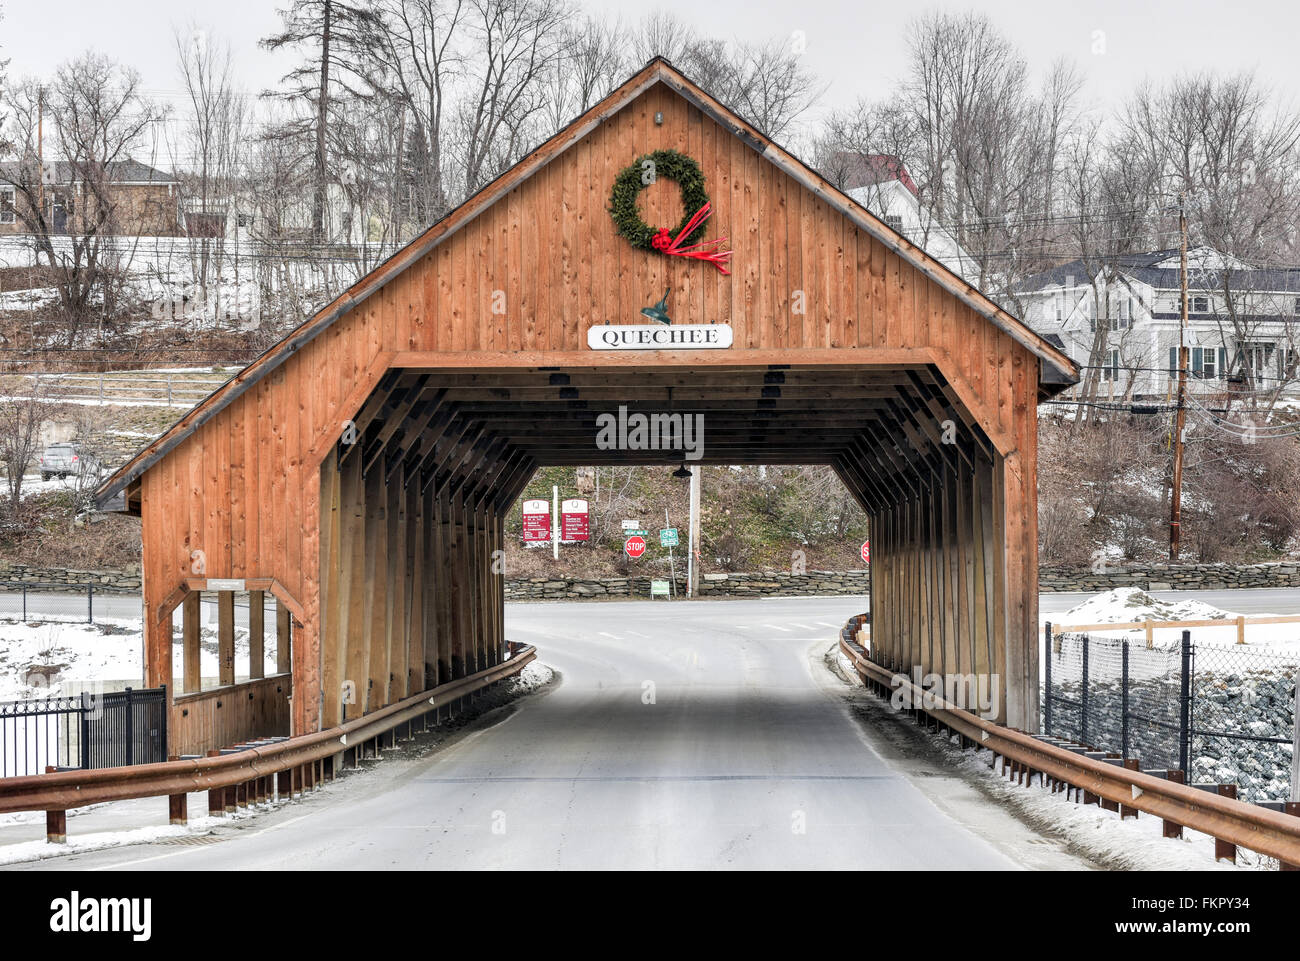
{"x": 1180, "y": 416}
{"x": 40, "y": 154}
{"x": 693, "y": 538}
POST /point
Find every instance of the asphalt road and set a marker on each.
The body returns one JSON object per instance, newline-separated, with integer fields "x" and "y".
{"x": 704, "y": 735}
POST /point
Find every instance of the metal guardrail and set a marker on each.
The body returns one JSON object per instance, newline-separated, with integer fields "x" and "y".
{"x": 1096, "y": 778}
{"x": 234, "y": 775}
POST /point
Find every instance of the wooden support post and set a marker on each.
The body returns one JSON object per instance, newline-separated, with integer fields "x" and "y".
{"x": 1226, "y": 850}
{"x": 283, "y": 639}
{"x": 56, "y": 827}
{"x": 284, "y": 785}
{"x": 256, "y": 634}
{"x": 1108, "y": 804}
{"x": 192, "y": 657}
{"x": 226, "y": 638}
{"x": 216, "y": 796}
{"x": 1292, "y": 808}
{"x": 1172, "y": 829}
{"x": 1127, "y": 810}
{"x": 176, "y": 809}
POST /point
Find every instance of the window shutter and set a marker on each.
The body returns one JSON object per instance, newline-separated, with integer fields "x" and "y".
{"x": 1173, "y": 361}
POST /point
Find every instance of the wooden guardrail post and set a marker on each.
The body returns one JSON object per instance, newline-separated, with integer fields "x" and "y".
{"x": 1172, "y": 829}
{"x": 284, "y": 785}
{"x": 1226, "y": 850}
{"x": 56, "y": 822}
{"x": 1292, "y": 808}
{"x": 177, "y": 812}
{"x": 1125, "y": 810}
{"x": 216, "y": 796}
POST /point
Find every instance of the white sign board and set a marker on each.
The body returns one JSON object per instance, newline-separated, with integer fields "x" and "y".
{"x": 631, "y": 525}
{"x": 659, "y": 336}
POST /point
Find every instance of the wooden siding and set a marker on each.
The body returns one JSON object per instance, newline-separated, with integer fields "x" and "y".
{"x": 242, "y": 494}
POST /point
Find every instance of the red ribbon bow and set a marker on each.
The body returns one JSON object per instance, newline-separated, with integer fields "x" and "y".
{"x": 666, "y": 244}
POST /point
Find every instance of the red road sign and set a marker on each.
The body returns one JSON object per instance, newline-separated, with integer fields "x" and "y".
{"x": 634, "y": 546}
{"x": 537, "y": 521}
{"x": 573, "y": 520}
{"x": 866, "y": 552}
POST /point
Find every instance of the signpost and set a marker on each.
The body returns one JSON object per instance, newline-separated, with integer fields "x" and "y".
{"x": 634, "y": 546}
{"x": 537, "y": 521}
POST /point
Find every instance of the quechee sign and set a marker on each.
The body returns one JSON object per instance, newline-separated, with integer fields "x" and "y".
{"x": 659, "y": 337}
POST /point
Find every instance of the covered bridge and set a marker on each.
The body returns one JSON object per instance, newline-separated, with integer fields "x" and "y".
{"x": 359, "y": 471}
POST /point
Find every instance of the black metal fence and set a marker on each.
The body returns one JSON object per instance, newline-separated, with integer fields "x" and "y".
{"x": 91, "y": 730}
{"x": 1219, "y": 715}
{"x": 29, "y": 601}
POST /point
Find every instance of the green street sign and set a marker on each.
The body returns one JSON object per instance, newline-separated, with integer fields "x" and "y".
{"x": 658, "y": 588}
{"x": 668, "y": 537}
{"x": 635, "y": 532}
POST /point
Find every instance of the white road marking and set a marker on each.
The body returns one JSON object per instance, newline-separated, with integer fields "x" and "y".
{"x": 639, "y": 634}
{"x": 802, "y": 627}
{"x": 824, "y": 624}
{"x": 783, "y": 630}
{"x": 611, "y": 636}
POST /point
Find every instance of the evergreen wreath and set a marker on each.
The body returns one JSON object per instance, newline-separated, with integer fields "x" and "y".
{"x": 678, "y": 167}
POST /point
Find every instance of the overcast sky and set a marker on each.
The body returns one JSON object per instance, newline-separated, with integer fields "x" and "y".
{"x": 856, "y": 47}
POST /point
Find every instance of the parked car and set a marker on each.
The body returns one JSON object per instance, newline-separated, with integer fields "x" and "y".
{"x": 65, "y": 460}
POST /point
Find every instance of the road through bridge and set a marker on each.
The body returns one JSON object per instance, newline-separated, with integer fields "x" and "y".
{"x": 358, "y": 471}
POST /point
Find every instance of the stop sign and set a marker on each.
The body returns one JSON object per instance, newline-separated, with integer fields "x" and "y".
{"x": 634, "y": 546}
{"x": 866, "y": 552}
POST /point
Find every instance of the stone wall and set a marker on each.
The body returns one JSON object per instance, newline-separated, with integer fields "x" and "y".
{"x": 767, "y": 584}
{"x": 1173, "y": 577}
{"x": 51, "y": 578}
{"x": 1182, "y": 577}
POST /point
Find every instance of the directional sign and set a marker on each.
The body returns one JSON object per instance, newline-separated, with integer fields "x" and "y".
{"x": 634, "y": 546}
{"x": 866, "y": 552}
{"x": 631, "y": 525}
{"x": 537, "y": 521}
{"x": 668, "y": 537}
{"x": 573, "y": 520}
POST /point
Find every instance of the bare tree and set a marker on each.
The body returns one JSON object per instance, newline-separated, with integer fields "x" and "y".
{"x": 331, "y": 33}
{"x": 517, "y": 42}
{"x": 21, "y": 419}
{"x": 1233, "y": 154}
{"x": 95, "y": 117}
{"x": 214, "y": 137}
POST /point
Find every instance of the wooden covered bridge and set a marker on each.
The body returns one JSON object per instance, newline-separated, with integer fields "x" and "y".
{"x": 359, "y": 471}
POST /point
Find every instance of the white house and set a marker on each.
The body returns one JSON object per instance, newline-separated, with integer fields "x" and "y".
{"x": 882, "y": 184}
{"x": 1243, "y": 321}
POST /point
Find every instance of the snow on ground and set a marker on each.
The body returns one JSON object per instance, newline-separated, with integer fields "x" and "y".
{"x": 534, "y": 676}
{"x": 1130, "y": 604}
{"x": 1130, "y": 844}
{"x": 52, "y": 657}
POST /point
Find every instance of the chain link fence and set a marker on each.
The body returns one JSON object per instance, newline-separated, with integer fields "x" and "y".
{"x": 1220, "y": 715}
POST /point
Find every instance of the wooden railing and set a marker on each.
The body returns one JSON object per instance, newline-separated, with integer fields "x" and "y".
{"x": 233, "y": 714}
{"x": 1241, "y": 622}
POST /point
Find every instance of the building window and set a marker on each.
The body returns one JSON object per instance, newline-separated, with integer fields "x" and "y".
{"x": 1111, "y": 370}
{"x": 1198, "y": 304}
{"x": 1207, "y": 362}
{"x": 1296, "y": 306}
{"x": 894, "y": 223}
{"x": 6, "y": 205}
